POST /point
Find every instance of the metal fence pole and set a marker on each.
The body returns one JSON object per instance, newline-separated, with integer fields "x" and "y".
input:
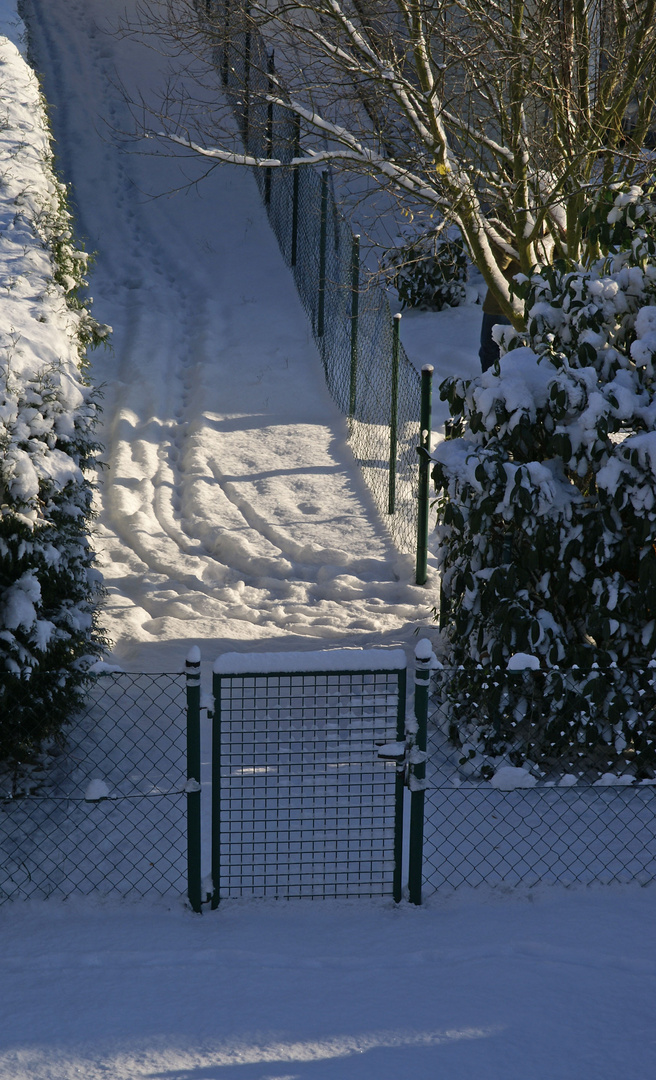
{"x": 424, "y": 475}
{"x": 423, "y": 657}
{"x": 269, "y": 133}
{"x": 247, "y": 76}
{"x": 322, "y": 253}
{"x": 226, "y": 42}
{"x": 192, "y": 671}
{"x": 355, "y": 311}
{"x": 216, "y": 792}
{"x": 296, "y": 152}
{"x": 394, "y": 415}
{"x": 399, "y": 795}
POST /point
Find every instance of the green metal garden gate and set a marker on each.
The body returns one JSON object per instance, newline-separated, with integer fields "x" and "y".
{"x": 303, "y": 805}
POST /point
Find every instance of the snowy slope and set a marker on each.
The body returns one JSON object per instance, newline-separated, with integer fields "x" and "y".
{"x": 232, "y": 511}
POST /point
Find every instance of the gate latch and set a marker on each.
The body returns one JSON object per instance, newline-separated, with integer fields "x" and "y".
{"x": 406, "y": 755}
{"x": 393, "y": 751}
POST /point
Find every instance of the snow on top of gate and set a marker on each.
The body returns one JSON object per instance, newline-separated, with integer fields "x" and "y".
{"x": 269, "y": 663}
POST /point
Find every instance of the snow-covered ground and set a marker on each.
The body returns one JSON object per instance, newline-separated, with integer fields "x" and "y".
{"x": 232, "y": 512}
{"x": 545, "y": 986}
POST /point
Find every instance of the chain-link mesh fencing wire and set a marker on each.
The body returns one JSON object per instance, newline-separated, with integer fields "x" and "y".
{"x": 358, "y": 367}
{"x": 306, "y": 807}
{"x": 570, "y": 826}
{"x": 129, "y": 734}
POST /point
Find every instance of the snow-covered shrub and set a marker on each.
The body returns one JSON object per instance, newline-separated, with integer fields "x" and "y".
{"x": 429, "y": 272}
{"x": 48, "y": 589}
{"x": 547, "y": 512}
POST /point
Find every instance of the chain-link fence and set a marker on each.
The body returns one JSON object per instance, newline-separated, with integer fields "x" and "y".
{"x": 302, "y": 804}
{"x": 367, "y": 371}
{"x": 308, "y": 770}
{"x": 101, "y": 807}
{"x": 487, "y": 822}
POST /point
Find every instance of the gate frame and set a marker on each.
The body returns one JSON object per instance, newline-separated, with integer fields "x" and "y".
{"x": 288, "y": 665}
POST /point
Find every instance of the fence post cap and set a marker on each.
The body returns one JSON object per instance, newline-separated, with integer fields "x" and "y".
{"x": 424, "y": 650}
{"x": 193, "y": 656}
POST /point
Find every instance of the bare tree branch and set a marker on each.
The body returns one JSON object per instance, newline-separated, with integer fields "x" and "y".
{"x": 504, "y": 116}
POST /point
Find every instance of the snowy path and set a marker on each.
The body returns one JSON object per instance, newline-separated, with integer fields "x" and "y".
{"x": 232, "y": 510}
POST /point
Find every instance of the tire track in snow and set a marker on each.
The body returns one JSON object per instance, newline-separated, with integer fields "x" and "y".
{"x": 232, "y": 508}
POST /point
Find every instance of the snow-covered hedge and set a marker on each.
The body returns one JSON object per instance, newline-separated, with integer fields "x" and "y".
{"x": 48, "y": 589}
{"x": 547, "y": 511}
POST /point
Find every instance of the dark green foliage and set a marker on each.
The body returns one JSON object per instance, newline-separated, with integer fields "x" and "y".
{"x": 547, "y": 517}
{"x": 428, "y": 273}
{"x": 48, "y": 588}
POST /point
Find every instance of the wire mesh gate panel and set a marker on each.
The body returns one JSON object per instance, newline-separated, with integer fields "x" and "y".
{"x": 301, "y": 804}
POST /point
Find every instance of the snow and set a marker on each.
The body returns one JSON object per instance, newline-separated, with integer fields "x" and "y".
{"x": 509, "y": 777}
{"x": 424, "y": 651}
{"x": 449, "y": 340}
{"x": 232, "y": 515}
{"x": 523, "y": 662}
{"x": 613, "y": 780}
{"x": 548, "y": 984}
{"x": 392, "y": 750}
{"x": 193, "y": 656}
{"x": 568, "y": 780}
{"x": 11, "y": 26}
{"x": 18, "y": 608}
{"x": 96, "y": 790}
{"x": 523, "y": 386}
{"x": 326, "y": 660}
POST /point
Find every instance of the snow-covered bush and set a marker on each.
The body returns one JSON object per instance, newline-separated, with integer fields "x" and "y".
{"x": 429, "y": 272}
{"x": 547, "y": 512}
{"x": 48, "y": 589}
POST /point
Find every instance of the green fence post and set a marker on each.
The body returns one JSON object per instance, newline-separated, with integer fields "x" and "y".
{"x": 399, "y": 795}
{"x": 247, "y": 76}
{"x": 296, "y": 153}
{"x": 355, "y": 312}
{"x": 216, "y": 792}
{"x": 394, "y": 415}
{"x": 323, "y": 233}
{"x": 417, "y": 780}
{"x": 269, "y": 133}
{"x": 443, "y": 613}
{"x": 226, "y": 42}
{"x": 424, "y": 473}
{"x": 192, "y": 671}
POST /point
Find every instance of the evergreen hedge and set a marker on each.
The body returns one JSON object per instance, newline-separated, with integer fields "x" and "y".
{"x": 546, "y": 500}
{"x": 49, "y": 635}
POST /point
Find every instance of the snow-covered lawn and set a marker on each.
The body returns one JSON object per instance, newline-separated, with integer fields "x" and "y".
{"x": 544, "y": 986}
